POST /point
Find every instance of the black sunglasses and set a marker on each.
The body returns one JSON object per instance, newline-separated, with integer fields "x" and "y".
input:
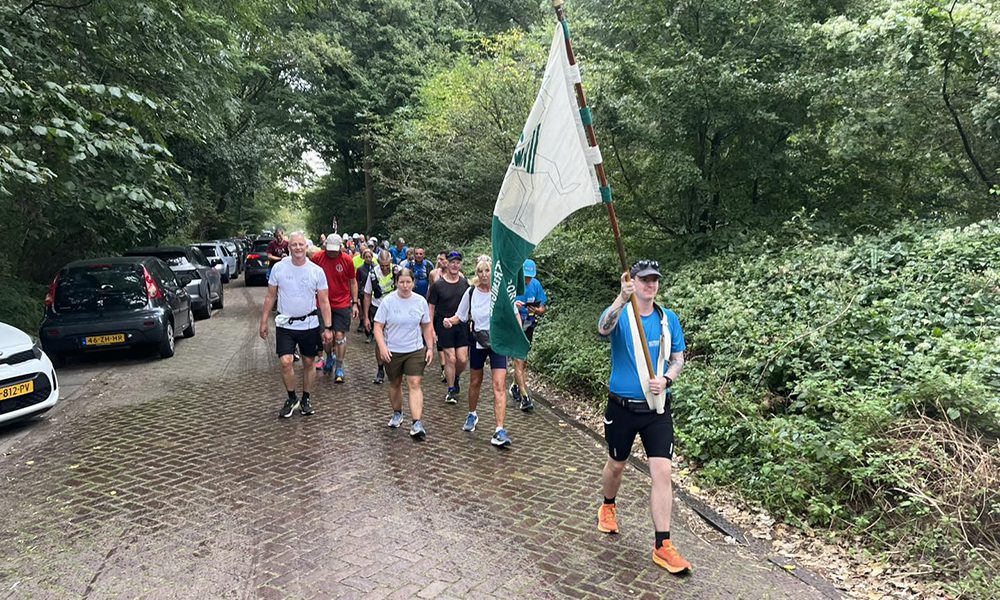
{"x": 643, "y": 265}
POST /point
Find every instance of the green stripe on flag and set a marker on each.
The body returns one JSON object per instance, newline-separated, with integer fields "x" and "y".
{"x": 509, "y": 253}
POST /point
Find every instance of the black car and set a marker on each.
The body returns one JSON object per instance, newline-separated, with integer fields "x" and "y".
{"x": 256, "y": 263}
{"x": 116, "y": 302}
{"x": 203, "y": 283}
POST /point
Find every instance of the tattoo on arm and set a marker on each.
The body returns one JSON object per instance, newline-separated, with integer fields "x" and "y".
{"x": 610, "y": 318}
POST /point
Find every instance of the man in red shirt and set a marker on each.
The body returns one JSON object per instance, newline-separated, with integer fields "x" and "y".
{"x": 339, "y": 269}
{"x": 277, "y": 249}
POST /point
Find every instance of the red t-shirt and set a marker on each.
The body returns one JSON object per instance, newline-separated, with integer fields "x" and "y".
{"x": 339, "y": 275}
{"x": 276, "y": 248}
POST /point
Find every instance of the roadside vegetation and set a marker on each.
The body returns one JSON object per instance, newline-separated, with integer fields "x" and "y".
{"x": 820, "y": 180}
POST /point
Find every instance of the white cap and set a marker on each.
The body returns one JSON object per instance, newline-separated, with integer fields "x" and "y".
{"x": 333, "y": 242}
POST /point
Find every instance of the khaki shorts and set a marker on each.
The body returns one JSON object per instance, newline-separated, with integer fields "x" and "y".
{"x": 411, "y": 364}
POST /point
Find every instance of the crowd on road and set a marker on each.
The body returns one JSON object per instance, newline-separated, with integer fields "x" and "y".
{"x": 411, "y": 309}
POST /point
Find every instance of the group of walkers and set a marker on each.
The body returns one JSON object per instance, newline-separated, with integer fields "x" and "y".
{"x": 408, "y": 307}
{"x": 411, "y": 309}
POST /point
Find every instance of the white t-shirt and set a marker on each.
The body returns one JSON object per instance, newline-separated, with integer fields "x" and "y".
{"x": 297, "y": 289}
{"x": 481, "y": 310}
{"x": 402, "y": 319}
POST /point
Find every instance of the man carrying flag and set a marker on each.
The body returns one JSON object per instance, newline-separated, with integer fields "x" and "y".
{"x": 557, "y": 169}
{"x": 633, "y": 401}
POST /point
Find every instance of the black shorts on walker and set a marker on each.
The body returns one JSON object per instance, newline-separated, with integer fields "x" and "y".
{"x": 309, "y": 341}
{"x": 624, "y": 419}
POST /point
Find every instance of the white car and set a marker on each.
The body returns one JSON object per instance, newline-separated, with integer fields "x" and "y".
{"x": 28, "y": 384}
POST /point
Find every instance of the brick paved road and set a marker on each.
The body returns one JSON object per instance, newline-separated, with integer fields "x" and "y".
{"x": 174, "y": 479}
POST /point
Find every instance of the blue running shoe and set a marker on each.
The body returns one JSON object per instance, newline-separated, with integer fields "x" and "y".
{"x": 470, "y": 422}
{"x": 396, "y": 420}
{"x": 339, "y": 376}
{"x": 500, "y": 438}
{"x": 328, "y": 364}
{"x": 417, "y": 431}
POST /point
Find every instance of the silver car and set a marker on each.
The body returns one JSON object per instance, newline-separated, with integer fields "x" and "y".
{"x": 218, "y": 254}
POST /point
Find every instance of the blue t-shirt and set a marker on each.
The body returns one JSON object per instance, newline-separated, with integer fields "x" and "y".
{"x": 421, "y": 272}
{"x": 398, "y": 255}
{"x": 533, "y": 293}
{"x": 624, "y": 376}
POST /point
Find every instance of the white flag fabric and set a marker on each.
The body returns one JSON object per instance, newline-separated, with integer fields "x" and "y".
{"x": 550, "y": 176}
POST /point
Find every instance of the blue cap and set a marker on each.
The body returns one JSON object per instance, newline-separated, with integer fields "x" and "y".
{"x": 529, "y": 268}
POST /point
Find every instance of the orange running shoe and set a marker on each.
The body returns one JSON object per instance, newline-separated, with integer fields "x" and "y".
{"x": 607, "y": 518}
{"x": 667, "y": 557}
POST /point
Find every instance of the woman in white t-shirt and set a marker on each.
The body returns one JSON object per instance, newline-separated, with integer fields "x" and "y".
{"x": 476, "y": 306}
{"x": 405, "y": 341}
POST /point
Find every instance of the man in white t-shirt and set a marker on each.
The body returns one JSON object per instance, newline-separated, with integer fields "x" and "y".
{"x": 300, "y": 288}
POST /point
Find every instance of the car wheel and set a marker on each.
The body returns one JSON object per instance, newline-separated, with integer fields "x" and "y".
{"x": 167, "y": 345}
{"x": 225, "y": 277}
{"x": 205, "y": 312}
{"x": 189, "y": 331}
{"x": 220, "y": 302}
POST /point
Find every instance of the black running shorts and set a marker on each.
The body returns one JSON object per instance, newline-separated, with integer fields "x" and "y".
{"x": 478, "y": 356}
{"x": 341, "y": 319}
{"x": 309, "y": 341}
{"x": 621, "y": 425}
{"x": 451, "y": 337}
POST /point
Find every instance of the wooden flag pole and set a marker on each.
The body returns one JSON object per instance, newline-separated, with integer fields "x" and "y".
{"x": 602, "y": 178}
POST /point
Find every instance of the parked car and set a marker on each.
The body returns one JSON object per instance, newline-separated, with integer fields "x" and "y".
{"x": 202, "y": 281}
{"x": 235, "y": 247}
{"x": 28, "y": 382}
{"x": 217, "y": 254}
{"x": 257, "y": 263}
{"x": 115, "y": 302}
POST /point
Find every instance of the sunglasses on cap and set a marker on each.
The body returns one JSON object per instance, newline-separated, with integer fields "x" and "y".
{"x": 455, "y": 255}
{"x": 644, "y": 265}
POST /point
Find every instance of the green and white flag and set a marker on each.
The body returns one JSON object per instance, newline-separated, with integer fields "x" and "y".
{"x": 550, "y": 176}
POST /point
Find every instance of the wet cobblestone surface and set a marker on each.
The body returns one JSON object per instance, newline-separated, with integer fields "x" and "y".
{"x": 175, "y": 479}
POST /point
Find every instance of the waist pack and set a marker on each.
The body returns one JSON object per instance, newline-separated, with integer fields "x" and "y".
{"x": 482, "y": 337}
{"x": 282, "y": 320}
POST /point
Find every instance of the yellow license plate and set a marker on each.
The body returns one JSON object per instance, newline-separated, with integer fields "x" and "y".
{"x": 104, "y": 340}
{"x": 19, "y": 389}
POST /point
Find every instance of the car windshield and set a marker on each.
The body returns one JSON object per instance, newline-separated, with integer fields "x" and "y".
{"x": 261, "y": 245}
{"x": 97, "y": 288}
{"x": 185, "y": 277}
{"x": 173, "y": 258}
{"x": 210, "y": 250}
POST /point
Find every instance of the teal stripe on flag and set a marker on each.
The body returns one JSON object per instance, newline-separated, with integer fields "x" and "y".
{"x": 509, "y": 252}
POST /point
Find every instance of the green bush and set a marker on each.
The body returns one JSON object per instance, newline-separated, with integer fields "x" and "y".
{"x": 21, "y": 303}
{"x": 840, "y": 383}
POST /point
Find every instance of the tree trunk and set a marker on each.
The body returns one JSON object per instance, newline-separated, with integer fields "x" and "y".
{"x": 369, "y": 186}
